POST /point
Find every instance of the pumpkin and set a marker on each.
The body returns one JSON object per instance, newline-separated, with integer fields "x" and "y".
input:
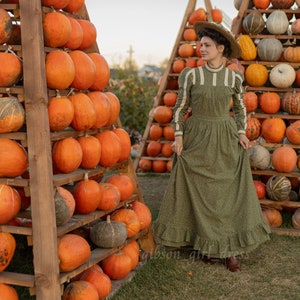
{"x": 293, "y": 133}
{"x": 248, "y": 48}
{"x": 98, "y": 279}
{"x": 296, "y": 218}
{"x": 292, "y": 54}
{"x": 59, "y": 70}
{"x": 291, "y": 103}
{"x": 73, "y": 251}
{"x": 57, "y": 29}
{"x": 102, "y": 108}
{"x": 260, "y": 189}
{"x": 10, "y": 203}
{"x": 295, "y": 27}
{"x": 11, "y": 69}
{"x": 80, "y": 290}
{"x": 256, "y": 74}
{"x": 57, "y": 4}
{"x": 85, "y": 70}
{"x": 13, "y": 158}
{"x": 125, "y": 143}
{"x": 272, "y": 216}
{"x": 67, "y": 155}
{"x": 124, "y": 183}
{"x": 91, "y": 151}
{"x": 133, "y": 251}
{"x": 143, "y": 212}
{"x": 166, "y": 149}
{"x": 25, "y": 198}
{"x": 253, "y": 23}
{"x": 168, "y": 132}
{"x": 74, "y": 5}
{"x": 7, "y": 249}
{"x": 170, "y": 98}
{"x": 110, "y": 148}
{"x": 84, "y": 112}
{"x": 189, "y": 34}
{"x": 237, "y": 4}
{"x": 277, "y": 22}
{"x": 251, "y": 101}
{"x": 282, "y": 75}
{"x": 64, "y": 205}
{"x": 155, "y": 132}
{"x": 169, "y": 165}
{"x": 108, "y": 234}
{"x": 89, "y": 34}
{"x": 87, "y": 196}
{"x": 284, "y": 159}
{"x": 7, "y": 292}
{"x": 178, "y": 65}
{"x": 259, "y": 156}
{"x": 129, "y": 218}
{"x": 297, "y": 80}
{"x": 159, "y": 166}
{"x": 117, "y": 265}
{"x": 198, "y": 14}
{"x": 153, "y": 148}
{"x": 12, "y": 114}
{"x": 60, "y": 113}
{"x": 145, "y": 164}
{"x": 262, "y": 4}
{"x": 253, "y": 128}
{"x": 269, "y": 102}
{"x": 15, "y": 37}
{"x": 102, "y": 72}
{"x": 115, "y": 108}
{"x": 162, "y": 114}
{"x": 278, "y": 188}
{"x": 282, "y": 4}
{"x": 273, "y": 130}
{"x": 217, "y": 15}
{"x": 186, "y": 50}
{"x": 76, "y": 35}
{"x": 264, "y": 46}
{"x": 5, "y": 26}
{"x": 109, "y": 196}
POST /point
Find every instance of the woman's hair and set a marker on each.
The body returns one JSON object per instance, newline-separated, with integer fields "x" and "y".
{"x": 218, "y": 38}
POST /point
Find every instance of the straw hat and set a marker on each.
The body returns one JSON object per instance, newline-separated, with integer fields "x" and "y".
{"x": 235, "y": 47}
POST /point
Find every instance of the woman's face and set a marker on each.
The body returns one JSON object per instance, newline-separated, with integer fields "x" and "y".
{"x": 209, "y": 50}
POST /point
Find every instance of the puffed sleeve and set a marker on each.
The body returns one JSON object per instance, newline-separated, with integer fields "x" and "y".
{"x": 185, "y": 82}
{"x": 239, "y": 107}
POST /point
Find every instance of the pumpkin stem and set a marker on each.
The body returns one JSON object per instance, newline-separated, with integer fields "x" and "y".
{"x": 108, "y": 219}
{"x": 57, "y": 94}
{"x": 86, "y": 176}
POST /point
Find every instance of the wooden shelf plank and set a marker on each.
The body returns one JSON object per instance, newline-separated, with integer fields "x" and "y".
{"x": 280, "y": 204}
{"x": 13, "y": 278}
{"x": 286, "y": 231}
{"x": 16, "y": 229}
{"x": 272, "y": 172}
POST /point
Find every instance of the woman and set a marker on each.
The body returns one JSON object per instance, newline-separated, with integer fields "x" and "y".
{"x": 211, "y": 204}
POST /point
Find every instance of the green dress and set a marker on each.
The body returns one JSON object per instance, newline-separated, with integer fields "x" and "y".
{"x": 210, "y": 203}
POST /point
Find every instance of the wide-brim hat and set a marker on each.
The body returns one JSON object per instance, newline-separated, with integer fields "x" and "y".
{"x": 235, "y": 47}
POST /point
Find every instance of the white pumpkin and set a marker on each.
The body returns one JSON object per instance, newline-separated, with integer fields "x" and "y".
{"x": 264, "y": 46}
{"x": 277, "y": 22}
{"x": 282, "y": 75}
{"x": 259, "y": 157}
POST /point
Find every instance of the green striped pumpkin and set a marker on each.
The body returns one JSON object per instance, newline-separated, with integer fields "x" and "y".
{"x": 278, "y": 188}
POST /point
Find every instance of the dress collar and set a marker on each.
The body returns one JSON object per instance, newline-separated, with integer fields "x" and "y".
{"x": 214, "y": 69}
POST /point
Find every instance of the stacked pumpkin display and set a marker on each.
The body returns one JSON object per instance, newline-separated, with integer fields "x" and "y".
{"x": 269, "y": 41}
{"x": 83, "y": 119}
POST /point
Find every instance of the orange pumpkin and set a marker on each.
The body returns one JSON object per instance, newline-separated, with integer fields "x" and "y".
{"x": 89, "y": 34}
{"x": 269, "y": 102}
{"x": 178, "y": 65}
{"x": 67, "y": 155}
{"x": 168, "y": 133}
{"x": 293, "y": 133}
{"x": 13, "y": 158}
{"x": 272, "y": 216}
{"x": 197, "y": 15}
{"x": 11, "y": 69}
{"x": 189, "y": 34}
{"x": 73, "y": 250}
{"x": 256, "y": 74}
{"x": 125, "y": 143}
{"x": 217, "y": 15}
{"x": 159, "y": 166}
{"x": 191, "y": 62}
{"x": 115, "y": 108}
{"x": 284, "y": 159}
{"x": 87, "y": 196}
{"x": 155, "y": 132}
{"x": 60, "y": 113}
{"x": 186, "y": 50}
{"x": 102, "y": 108}
{"x": 260, "y": 189}
{"x": 80, "y": 290}
{"x": 57, "y": 29}
{"x": 292, "y": 54}
{"x": 109, "y": 196}
{"x": 129, "y": 218}
{"x": 133, "y": 251}
{"x": 273, "y": 130}
{"x": 102, "y": 72}
{"x": 110, "y": 148}
{"x": 76, "y": 35}
{"x": 162, "y": 114}
{"x": 169, "y": 165}
{"x": 170, "y": 98}
{"x": 143, "y": 212}
{"x": 153, "y": 148}
{"x": 251, "y": 101}
{"x": 12, "y": 114}
{"x": 7, "y": 249}
{"x": 262, "y": 4}
{"x": 7, "y": 292}
{"x": 5, "y": 26}
{"x": 57, "y": 4}
{"x": 85, "y": 70}
{"x": 291, "y": 103}
{"x": 74, "y": 5}
{"x": 124, "y": 183}
{"x": 253, "y": 128}
{"x": 59, "y": 69}
{"x": 84, "y": 112}
{"x": 145, "y": 164}
{"x": 91, "y": 151}
{"x": 166, "y": 149}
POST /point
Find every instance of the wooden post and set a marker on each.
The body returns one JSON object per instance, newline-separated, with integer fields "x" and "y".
{"x": 208, "y": 10}
{"x": 236, "y": 24}
{"x": 45, "y": 258}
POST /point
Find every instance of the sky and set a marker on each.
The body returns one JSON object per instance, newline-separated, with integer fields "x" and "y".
{"x": 148, "y": 27}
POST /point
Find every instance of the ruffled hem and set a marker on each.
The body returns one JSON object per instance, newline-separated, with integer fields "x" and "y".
{"x": 237, "y": 244}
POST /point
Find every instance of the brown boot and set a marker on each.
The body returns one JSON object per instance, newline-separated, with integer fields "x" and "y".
{"x": 232, "y": 264}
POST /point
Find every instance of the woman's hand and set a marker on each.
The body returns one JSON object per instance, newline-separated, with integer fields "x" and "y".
{"x": 244, "y": 141}
{"x": 177, "y": 145}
